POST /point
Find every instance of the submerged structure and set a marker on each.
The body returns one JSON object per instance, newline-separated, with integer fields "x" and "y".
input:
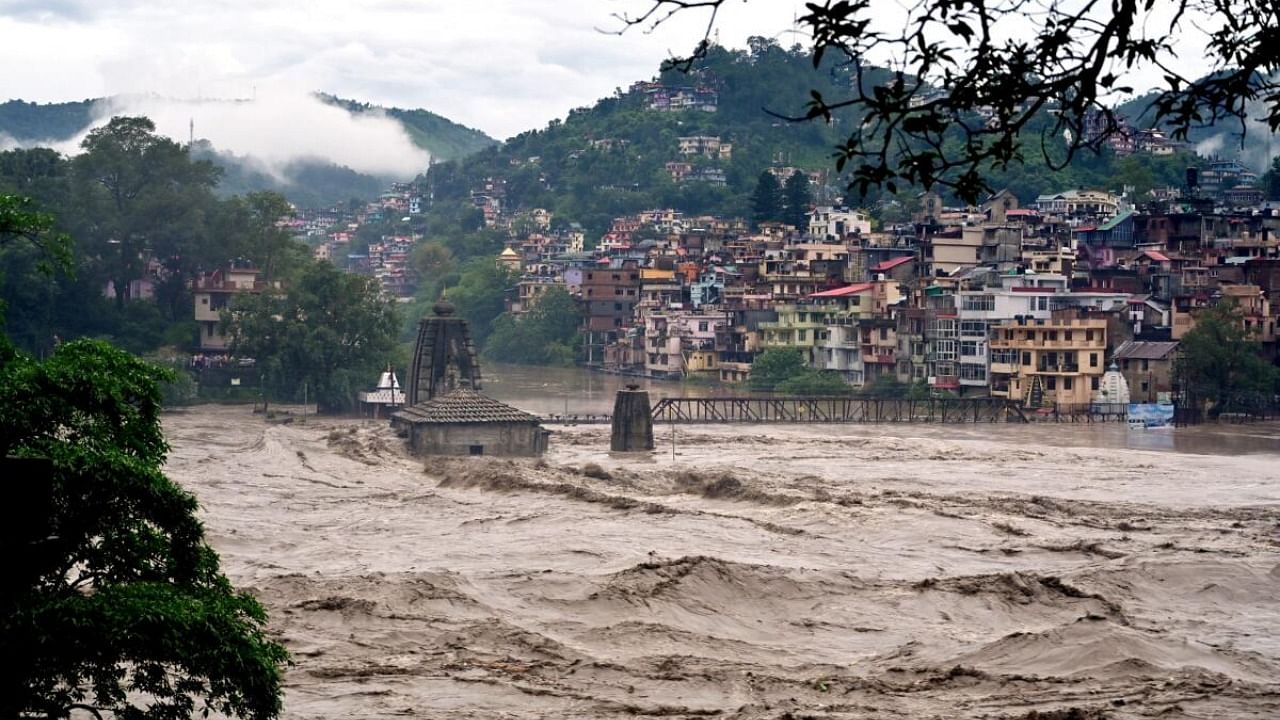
{"x": 465, "y": 422}
{"x": 632, "y": 427}
{"x": 446, "y": 412}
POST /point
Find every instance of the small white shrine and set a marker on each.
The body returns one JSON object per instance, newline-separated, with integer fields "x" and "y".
{"x": 1113, "y": 389}
{"x": 386, "y": 396}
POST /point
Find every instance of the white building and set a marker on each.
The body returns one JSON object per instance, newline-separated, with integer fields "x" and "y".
{"x": 831, "y": 223}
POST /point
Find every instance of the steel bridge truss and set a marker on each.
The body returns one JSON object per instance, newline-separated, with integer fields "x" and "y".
{"x": 835, "y": 410}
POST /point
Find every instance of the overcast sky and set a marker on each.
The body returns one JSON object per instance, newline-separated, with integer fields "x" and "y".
{"x": 503, "y": 66}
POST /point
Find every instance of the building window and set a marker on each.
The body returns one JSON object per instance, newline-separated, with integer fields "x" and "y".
{"x": 702, "y": 326}
{"x": 1026, "y": 358}
{"x": 1067, "y": 383}
{"x": 1093, "y": 359}
{"x": 1051, "y": 383}
{"x": 1088, "y": 335}
{"x": 1095, "y": 382}
{"x": 1145, "y": 366}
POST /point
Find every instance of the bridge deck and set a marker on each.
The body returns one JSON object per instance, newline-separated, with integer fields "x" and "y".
{"x": 835, "y": 410}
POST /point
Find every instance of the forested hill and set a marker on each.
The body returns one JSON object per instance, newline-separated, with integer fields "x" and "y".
{"x": 307, "y": 182}
{"x": 438, "y": 135}
{"x": 612, "y": 158}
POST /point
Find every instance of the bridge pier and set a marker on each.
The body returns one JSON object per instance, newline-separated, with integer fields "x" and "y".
{"x": 632, "y": 427}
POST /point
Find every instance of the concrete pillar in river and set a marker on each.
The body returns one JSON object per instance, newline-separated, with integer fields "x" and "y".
{"x": 632, "y": 421}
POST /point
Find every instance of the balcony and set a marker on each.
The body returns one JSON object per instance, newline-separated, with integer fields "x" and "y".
{"x": 1058, "y": 369}
{"x": 879, "y": 358}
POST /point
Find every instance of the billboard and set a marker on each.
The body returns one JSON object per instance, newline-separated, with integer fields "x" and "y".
{"x": 1150, "y": 415}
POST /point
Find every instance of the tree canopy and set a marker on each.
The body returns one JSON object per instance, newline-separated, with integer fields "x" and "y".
{"x": 1220, "y": 362}
{"x": 546, "y": 335}
{"x": 326, "y": 335}
{"x": 972, "y": 87}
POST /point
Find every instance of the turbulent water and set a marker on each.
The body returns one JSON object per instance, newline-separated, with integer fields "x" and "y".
{"x": 764, "y": 572}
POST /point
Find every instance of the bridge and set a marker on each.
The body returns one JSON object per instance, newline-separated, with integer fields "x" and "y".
{"x": 835, "y": 409}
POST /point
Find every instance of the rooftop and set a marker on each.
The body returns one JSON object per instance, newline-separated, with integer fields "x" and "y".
{"x": 464, "y": 405}
{"x": 1144, "y": 350}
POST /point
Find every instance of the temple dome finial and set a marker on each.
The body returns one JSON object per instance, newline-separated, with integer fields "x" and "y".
{"x": 443, "y": 307}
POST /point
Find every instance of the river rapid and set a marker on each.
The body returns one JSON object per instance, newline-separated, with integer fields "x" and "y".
{"x": 852, "y": 571}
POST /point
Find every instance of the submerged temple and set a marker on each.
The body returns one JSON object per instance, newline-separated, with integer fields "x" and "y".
{"x": 446, "y": 413}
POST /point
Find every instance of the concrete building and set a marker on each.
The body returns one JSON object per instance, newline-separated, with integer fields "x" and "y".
{"x": 216, "y": 292}
{"x": 1040, "y": 362}
{"x": 1148, "y": 367}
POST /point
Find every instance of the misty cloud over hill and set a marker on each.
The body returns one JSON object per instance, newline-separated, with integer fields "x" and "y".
{"x": 313, "y": 148}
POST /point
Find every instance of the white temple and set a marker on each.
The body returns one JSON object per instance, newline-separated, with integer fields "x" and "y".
{"x": 1113, "y": 388}
{"x": 387, "y": 394}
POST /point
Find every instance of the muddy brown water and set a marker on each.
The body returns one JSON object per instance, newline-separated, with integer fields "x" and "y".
{"x": 765, "y": 572}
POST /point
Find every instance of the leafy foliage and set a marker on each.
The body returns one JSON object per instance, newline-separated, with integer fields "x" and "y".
{"x": 775, "y": 366}
{"x": 546, "y": 335}
{"x": 325, "y": 336}
{"x": 766, "y": 201}
{"x": 480, "y": 295}
{"x": 1221, "y": 362}
{"x": 796, "y": 199}
{"x": 112, "y": 600}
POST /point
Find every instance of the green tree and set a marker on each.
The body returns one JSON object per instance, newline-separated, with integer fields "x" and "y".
{"x": 480, "y": 295}
{"x": 546, "y": 335}
{"x": 112, "y": 601}
{"x": 142, "y": 197}
{"x": 797, "y": 199}
{"x": 766, "y": 200}
{"x": 775, "y": 366}
{"x": 1220, "y": 361}
{"x": 270, "y": 247}
{"x": 327, "y": 336}
{"x": 816, "y": 382}
{"x": 1271, "y": 180}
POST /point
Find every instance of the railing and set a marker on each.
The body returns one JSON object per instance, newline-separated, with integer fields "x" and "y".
{"x": 826, "y": 409}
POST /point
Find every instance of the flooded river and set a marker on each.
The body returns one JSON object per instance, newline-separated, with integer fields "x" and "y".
{"x": 853, "y": 571}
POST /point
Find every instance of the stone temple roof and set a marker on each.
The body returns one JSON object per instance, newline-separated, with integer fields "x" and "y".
{"x": 463, "y": 405}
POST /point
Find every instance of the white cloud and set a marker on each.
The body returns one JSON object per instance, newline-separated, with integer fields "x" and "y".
{"x": 503, "y": 66}
{"x": 277, "y": 128}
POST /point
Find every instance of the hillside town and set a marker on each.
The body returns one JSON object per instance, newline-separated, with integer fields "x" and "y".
{"x": 1034, "y": 303}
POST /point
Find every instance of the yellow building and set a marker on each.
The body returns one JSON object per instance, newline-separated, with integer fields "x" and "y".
{"x": 1042, "y": 362}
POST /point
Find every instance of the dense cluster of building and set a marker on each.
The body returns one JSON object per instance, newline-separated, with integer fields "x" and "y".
{"x": 1030, "y": 303}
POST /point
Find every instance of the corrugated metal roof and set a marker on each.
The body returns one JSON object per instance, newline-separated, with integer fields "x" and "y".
{"x": 844, "y": 291}
{"x": 891, "y": 264}
{"x": 464, "y": 405}
{"x": 1144, "y": 350}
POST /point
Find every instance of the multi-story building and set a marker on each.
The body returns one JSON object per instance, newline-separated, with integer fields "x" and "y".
{"x": 709, "y": 146}
{"x": 1041, "y": 362}
{"x": 609, "y": 296}
{"x": 216, "y": 292}
{"x": 680, "y": 343}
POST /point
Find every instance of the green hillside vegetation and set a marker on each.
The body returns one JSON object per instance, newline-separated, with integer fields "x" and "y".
{"x": 571, "y": 168}
{"x": 30, "y": 122}
{"x": 438, "y": 135}
{"x": 306, "y": 183}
